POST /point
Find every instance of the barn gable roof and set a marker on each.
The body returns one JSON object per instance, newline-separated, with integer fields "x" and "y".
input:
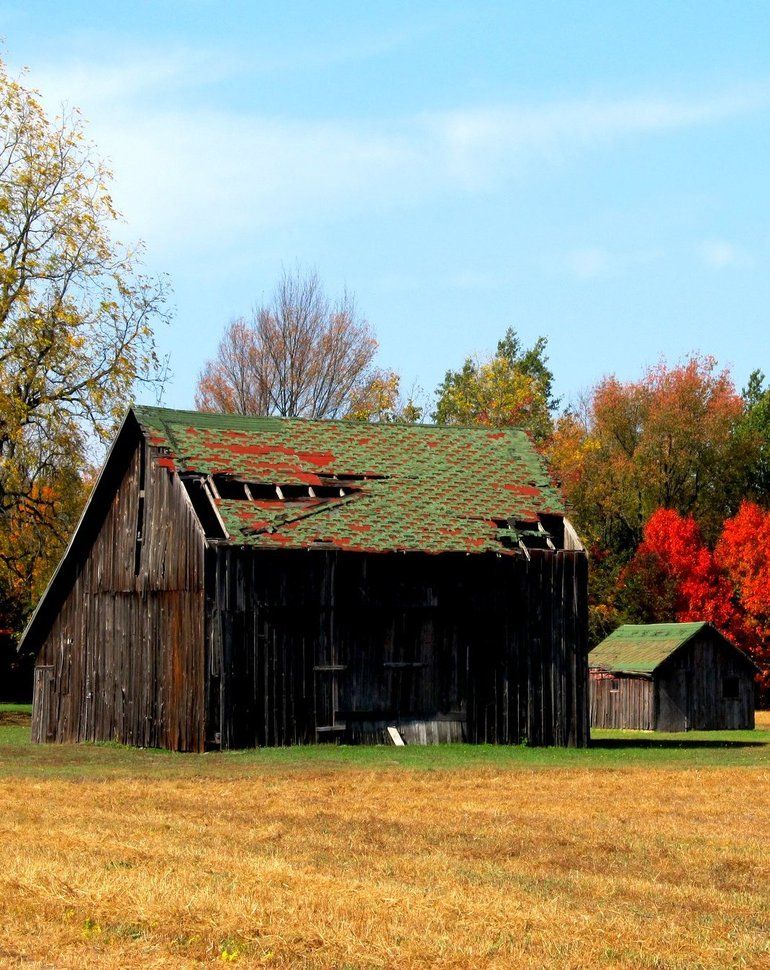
{"x": 640, "y": 648}
{"x": 360, "y": 486}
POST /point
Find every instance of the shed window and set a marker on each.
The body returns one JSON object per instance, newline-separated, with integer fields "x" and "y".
{"x": 614, "y": 685}
{"x": 730, "y": 688}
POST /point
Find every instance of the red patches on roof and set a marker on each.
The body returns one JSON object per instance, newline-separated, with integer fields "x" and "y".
{"x": 313, "y": 457}
{"x": 316, "y": 459}
{"x": 429, "y": 490}
{"x": 248, "y": 449}
{"x": 309, "y": 478}
{"x": 530, "y": 490}
{"x": 165, "y": 462}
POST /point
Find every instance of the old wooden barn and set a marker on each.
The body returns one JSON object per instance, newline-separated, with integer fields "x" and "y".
{"x": 671, "y": 677}
{"x": 259, "y": 581}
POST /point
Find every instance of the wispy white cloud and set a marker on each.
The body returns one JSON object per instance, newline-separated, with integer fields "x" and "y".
{"x": 720, "y": 254}
{"x": 121, "y": 82}
{"x": 127, "y": 72}
{"x": 191, "y": 177}
{"x": 595, "y": 262}
{"x": 482, "y": 142}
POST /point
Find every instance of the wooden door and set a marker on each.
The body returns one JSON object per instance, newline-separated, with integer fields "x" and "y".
{"x": 43, "y": 726}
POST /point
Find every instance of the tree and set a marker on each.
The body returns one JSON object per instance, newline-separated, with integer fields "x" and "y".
{"x": 675, "y": 576}
{"x": 754, "y": 431}
{"x": 232, "y": 382}
{"x": 743, "y": 553}
{"x": 31, "y": 540}
{"x": 513, "y": 387}
{"x": 680, "y": 576}
{"x": 380, "y": 400}
{"x": 666, "y": 441}
{"x": 300, "y": 355}
{"x": 76, "y": 326}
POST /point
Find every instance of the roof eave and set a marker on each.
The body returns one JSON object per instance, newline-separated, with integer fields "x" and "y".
{"x": 615, "y": 671}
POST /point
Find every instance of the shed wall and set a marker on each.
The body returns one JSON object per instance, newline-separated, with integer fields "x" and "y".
{"x": 690, "y": 688}
{"x": 621, "y": 701}
{"x": 307, "y": 645}
{"x": 123, "y": 658}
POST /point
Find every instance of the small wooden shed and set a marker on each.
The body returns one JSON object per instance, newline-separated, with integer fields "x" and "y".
{"x": 244, "y": 581}
{"x": 671, "y": 677}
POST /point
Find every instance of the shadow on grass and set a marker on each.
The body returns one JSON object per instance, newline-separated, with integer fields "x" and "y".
{"x": 15, "y": 719}
{"x": 693, "y": 743}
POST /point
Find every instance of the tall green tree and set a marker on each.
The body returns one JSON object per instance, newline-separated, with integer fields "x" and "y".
{"x": 754, "y": 431}
{"x": 512, "y": 387}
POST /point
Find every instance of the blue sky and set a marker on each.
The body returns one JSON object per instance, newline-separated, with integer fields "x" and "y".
{"x": 594, "y": 172}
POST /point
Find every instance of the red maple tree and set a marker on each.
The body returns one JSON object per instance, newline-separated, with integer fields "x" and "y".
{"x": 676, "y": 576}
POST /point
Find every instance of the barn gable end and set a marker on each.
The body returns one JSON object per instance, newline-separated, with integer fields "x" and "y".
{"x": 119, "y": 632}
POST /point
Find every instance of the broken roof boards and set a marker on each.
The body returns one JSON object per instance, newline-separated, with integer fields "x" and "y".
{"x": 289, "y": 483}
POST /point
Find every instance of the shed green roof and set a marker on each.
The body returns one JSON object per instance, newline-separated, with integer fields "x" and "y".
{"x": 641, "y": 648}
{"x": 407, "y": 487}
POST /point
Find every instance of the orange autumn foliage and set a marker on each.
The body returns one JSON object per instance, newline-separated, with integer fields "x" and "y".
{"x": 664, "y": 441}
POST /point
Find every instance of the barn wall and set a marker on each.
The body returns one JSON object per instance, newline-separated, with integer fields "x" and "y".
{"x": 690, "y": 688}
{"x": 308, "y": 645}
{"x": 123, "y": 658}
{"x": 631, "y": 706}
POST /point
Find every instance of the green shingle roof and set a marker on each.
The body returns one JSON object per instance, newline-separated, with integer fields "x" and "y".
{"x": 641, "y": 648}
{"x": 407, "y": 487}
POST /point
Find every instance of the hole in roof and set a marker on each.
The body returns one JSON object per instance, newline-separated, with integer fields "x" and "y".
{"x": 544, "y": 532}
{"x": 201, "y": 503}
{"x": 229, "y": 488}
{"x": 233, "y": 489}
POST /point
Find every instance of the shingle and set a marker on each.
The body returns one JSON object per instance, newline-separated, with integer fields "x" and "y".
{"x": 430, "y": 489}
{"x": 641, "y": 648}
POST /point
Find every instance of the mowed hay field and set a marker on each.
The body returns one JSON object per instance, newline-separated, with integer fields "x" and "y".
{"x": 646, "y": 851}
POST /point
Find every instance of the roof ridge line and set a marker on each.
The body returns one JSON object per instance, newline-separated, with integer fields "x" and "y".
{"x": 354, "y": 422}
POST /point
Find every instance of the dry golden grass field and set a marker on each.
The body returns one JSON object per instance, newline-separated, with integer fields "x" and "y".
{"x": 646, "y": 851}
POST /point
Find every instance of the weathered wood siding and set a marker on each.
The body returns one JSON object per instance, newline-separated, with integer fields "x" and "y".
{"x": 125, "y": 645}
{"x": 307, "y": 645}
{"x": 621, "y": 701}
{"x": 690, "y": 688}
